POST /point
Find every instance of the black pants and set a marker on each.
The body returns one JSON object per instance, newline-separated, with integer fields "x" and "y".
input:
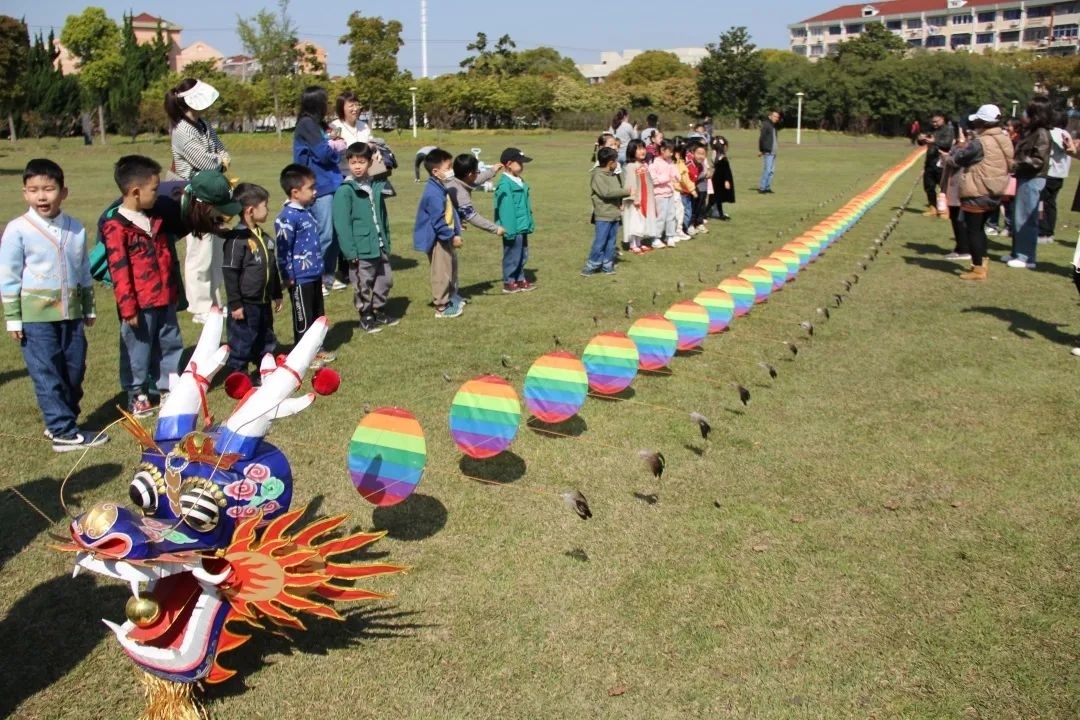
{"x": 307, "y": 306}
{"x": 975, "y": 226}
{"x": 699, "y": 206}
{"x": 959, "y": 231}
{"x": 931, "y": 178}
{"x": 1048, "y": 222}
{"x": 252, "y": 337}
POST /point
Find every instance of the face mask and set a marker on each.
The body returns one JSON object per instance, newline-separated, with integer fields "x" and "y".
{"x": 448, "y": 175}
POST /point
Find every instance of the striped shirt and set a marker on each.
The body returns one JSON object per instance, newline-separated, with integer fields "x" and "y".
{"x": 195, "y": 147}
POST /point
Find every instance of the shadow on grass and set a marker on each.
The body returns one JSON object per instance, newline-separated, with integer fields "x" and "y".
{"x": 946, "y": 266}
{"x": 418, "y": 517}
{"x": 398, "y": 307}
{"x": 573, "y": 428}
{"x": 402, "y": 263}
{"x": 9, "y": 375}
{"x": 647, "y": 498}
{"x": 340, "y": 333}
{"x": 506, "y": 467}
{"x": 22, "y": 525}
{"x": 926, "y": 248}
{"x": 699, "y": 451}
{"x": 323, "y": 636}
{"x": 625, "y": 394}
{"x": 480, "y": 288}
{"x": 50, "y": 630}
{"x": 106, "y": 412}
{"x": 1023, "y": 325}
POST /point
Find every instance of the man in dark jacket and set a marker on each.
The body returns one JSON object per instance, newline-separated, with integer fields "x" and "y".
{"x": 767, "y": 146}
{"x": 939, "y": 140}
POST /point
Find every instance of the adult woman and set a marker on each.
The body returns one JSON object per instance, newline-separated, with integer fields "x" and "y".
{"x": 196, "y": 147}
{"x": 624, "y": 131}
{"x": 316, "y": 148}
{"x": 1031, "y": 162}
{"x": 348, "y": 125}
{"x": 983, "y": 162}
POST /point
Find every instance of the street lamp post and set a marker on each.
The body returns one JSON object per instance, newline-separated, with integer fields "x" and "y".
{"x": 1014, "y": 104}
{"x": 798, "y": 121}
{"x": 413, "y": 91}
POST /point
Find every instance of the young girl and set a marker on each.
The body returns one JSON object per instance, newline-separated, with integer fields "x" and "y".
{"x": 318, "y": 149}
{"x": 665, "y": 177}
{"x": 723, "y": 181}
{"x": 684, "y": 203}
{"x": 606, "y": 139}
{"x": 639, "y": 211}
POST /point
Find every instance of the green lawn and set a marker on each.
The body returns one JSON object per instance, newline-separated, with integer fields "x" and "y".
{"x": 887, "y": 531}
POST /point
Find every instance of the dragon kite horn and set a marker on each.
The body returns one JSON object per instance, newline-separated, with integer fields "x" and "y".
{"x": 187, "y": 393}
{"x": 245, "y": 428}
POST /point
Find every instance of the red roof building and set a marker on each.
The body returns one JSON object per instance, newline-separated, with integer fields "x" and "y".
{"x": 1046, "y": 26}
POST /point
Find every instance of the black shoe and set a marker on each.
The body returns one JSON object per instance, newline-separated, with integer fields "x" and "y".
{"x": 369, "y": 324}
{"x": 385, "y": 320}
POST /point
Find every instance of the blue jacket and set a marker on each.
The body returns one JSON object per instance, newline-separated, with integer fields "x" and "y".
{"x": 299, "y": 253}
{"x": 431, "y": 223}
{"x": 312, "y": 150}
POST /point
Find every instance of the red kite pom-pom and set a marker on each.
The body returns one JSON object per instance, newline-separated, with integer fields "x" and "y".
{"x": 237, "y": 385}
{"x": 325, "y": 381}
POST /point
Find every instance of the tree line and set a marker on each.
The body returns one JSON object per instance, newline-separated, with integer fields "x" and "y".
{"x": 873, "y": 83}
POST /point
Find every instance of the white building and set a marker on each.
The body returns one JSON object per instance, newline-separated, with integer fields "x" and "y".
{"x": 612, "y": 60}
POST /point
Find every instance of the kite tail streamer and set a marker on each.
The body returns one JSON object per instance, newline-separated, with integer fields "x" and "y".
{"x": 167, "y": 700}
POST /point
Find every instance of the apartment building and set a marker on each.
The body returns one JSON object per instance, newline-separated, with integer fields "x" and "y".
{"x": 1045, "y": 26}
{"x": 612, "y": 60}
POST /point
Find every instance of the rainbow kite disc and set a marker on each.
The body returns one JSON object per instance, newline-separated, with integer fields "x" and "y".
{"x": 484, "y": 416}
{"x": 741, "y": 291}
{"x": 656, "y": 339}
{"x": 611, "y": 362}
{"x": 761, "y": 280}
{"x": 387, "y": 454}
{"x": 777, "y": 269}
{"x": 790, "y": 260}
{"x": 801, "y": 250}
{"x": 691, "y": 322}
{"x": 720, "y": 306}
{"x": 555, "y": 387}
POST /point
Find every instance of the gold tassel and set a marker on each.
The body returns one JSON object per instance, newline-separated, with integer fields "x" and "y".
{"x": 167, "y": 700}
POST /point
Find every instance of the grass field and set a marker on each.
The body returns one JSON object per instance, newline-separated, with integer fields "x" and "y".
{"x": 887, "y": 531}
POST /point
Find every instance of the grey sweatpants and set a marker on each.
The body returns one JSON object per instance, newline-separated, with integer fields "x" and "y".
{"x": 371, "y": 281}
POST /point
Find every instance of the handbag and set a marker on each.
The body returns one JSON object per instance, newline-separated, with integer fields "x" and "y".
{"x": 1010, "y": 189}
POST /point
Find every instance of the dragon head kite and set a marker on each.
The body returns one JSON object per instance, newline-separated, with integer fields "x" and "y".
{"x": 208, "y": 541}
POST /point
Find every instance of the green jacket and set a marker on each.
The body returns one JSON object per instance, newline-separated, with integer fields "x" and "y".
{"x": 513, "y": 209}
{"x": 360, "y": 220}
{"x": 607, "y": 194}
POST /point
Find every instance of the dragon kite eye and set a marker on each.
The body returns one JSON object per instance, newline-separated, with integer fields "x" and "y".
{"x": 144, "y": 488}
{"x": 175, "y": 463}
{"x": 199, "y": 507}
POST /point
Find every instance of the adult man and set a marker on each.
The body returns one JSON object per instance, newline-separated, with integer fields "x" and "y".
{"x": 652, "y": 124}
{"x": 767, "y": 146}
{"x": 939, "y": 140}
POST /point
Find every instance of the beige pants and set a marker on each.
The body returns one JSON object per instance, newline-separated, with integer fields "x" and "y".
{"x": 203, "y": 280}
{"x": 443, "y": 258}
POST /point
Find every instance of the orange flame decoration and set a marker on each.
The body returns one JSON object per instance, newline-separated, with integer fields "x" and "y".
{"x": 275, "y": 575}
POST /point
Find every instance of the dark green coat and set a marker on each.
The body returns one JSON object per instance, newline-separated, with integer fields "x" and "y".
{"x": 360, "y": 220}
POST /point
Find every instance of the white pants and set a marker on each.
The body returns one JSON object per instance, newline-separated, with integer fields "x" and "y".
{"x": 680, "y": 213}
{"x": 203, "y": 279}
{"x": 666, "y": 217}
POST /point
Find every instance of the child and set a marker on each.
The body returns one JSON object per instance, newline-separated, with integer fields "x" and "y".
{"x": 607, "y": 196}
{"x": 437, "y": 232}
{"x": 639, "y": 211}
{"x": 467, "y": 177}
{"x": 48, "y": 297}
{"x": 363, "y": 231}
{"x": 513, "y": 211}
{"x": 723, "y": 180}
{"x": 299, "y": 253}
{"x": 140, "y": 265}
{"x": 252, "y": 284}
{"x": 665, "y": 176}
{"x": 684, "y": 207}
{"x": 695, "y": 164}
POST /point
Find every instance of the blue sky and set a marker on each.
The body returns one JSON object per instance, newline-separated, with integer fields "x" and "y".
{"x": 578, "y": 28}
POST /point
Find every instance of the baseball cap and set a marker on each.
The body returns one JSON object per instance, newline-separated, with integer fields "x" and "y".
{"x": 987, "y": 113}
{"x": 199, "y": 96}
{"x": 211, "y": 186}
{"x": 513, "y": 153}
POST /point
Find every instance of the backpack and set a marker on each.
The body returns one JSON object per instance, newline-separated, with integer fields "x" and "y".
{"x": 99, "y": 257}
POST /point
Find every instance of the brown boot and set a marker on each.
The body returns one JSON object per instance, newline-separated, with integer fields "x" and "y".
{"x": 977, "y": 272}
{"x": 931, "y": 211}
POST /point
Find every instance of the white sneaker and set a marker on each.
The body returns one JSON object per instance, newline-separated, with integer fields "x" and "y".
{"x": 1046, "y": 240}
{"x": 1075, "y": 351}
{"x": 991, "y": 231}
{"x": 672, "y": 242}
{"x": 1021, "y": 261}
{"x": 958, "y": 256}
{"x": 198, "y": 318}
{"x": 691, "y": 231}
{"x": 657, "y": 244}
{"x": 682, "y": 236}
{"x": 338, "y": 285}
{"x": 325, "y": 291}
{"x": 702, "y": 229}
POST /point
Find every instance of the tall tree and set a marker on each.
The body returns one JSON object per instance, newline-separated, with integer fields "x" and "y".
{"x": 374, "y": 45}
{"x": 501, "y": 60}
{"x": 731, "y": 78}
{"x": 51, "y": 99}
{"x": 650, "y": 66}
{"x": 873, "y": 44}
{"x": 94, "y": 40}
{"x": 143, "y": 65}
{"x": 14, "y": 55}
{"x": 271, "y": 39}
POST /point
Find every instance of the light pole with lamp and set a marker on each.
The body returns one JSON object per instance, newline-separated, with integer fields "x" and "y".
{"x": 413, "y": 91}
{"x": 798, "y": 121}
{"x": 1014, "y": 104}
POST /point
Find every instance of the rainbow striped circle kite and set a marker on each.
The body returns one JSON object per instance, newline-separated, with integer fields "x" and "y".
{"x": 691, "y": 322}
{"x": 555, "y": 387}
{"x": 790, "y": 259}
{"x": 741, "y": 291}
{"x": 801, "y": 250}
{"x": 484, "y": 416}
{"x": 656, "y": 339}
{"x": 611, "y": 362}
{"x": 387, "y": 454}
{"x": 719, "y": 305}
{"x": 761, "y": 280}
{"x": 777, "y": 269}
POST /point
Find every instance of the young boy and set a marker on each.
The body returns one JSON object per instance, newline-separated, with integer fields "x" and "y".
{"x": 607, "y": 196}
{"x": 252, "y": 284}
{"x": 48, "y": 296}
{"x": 467, "y": 177}
{"x": 695, "y": 164}
{"x": 513, "y": 211}
{"x": 437, "y": 232}
{"x": 363, "y": 232}
{"x": 299, "y": 253}
{"x": 140, "y": 265}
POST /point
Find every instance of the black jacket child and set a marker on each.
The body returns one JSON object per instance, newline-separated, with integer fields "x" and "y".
{"x": 250, "y": 268}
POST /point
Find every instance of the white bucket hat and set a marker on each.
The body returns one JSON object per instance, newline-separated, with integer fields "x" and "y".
{"x": 986, "y": 113}
{"x": 199, "y": 96}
